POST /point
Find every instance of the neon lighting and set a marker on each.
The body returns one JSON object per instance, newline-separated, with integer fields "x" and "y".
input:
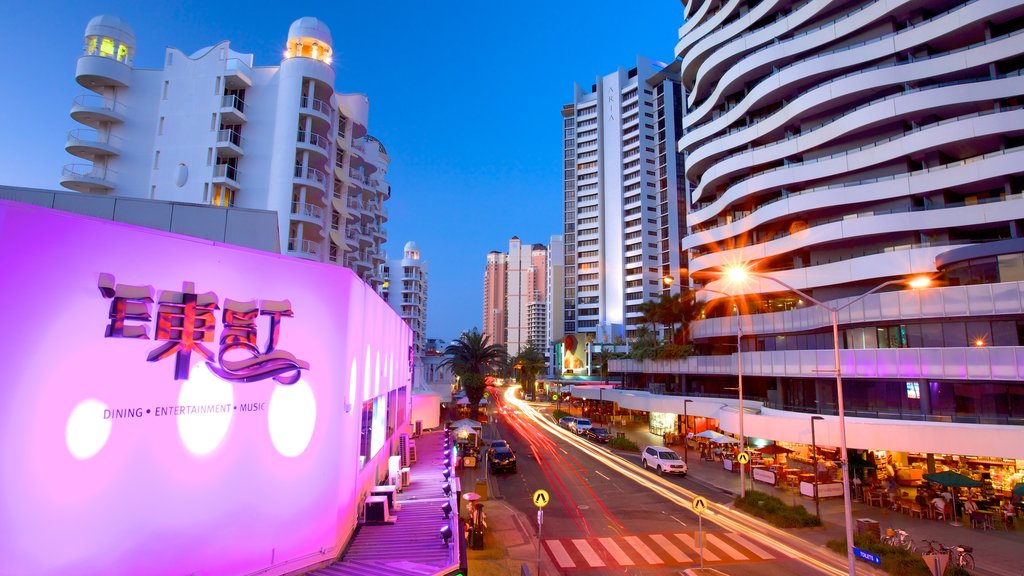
{"x": 291, "y": 418}
{"x": 203, "y": 432}
{"x": 87, "y": 431}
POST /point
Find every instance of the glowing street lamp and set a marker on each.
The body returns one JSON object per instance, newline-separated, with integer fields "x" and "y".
{"x": 737, "y": 275}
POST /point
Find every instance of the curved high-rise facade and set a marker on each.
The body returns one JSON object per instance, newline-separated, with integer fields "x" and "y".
{"x": 838, "y": 144}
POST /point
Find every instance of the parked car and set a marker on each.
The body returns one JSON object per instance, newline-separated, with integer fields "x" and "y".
{"x": 502, "y": 460}
{"x": 580, "y": 425}
{"x": 598, "y": 434}
{"x": 496, "y": 445}
{"x": 663, "y": 460}
{"x": 566, "y": 421}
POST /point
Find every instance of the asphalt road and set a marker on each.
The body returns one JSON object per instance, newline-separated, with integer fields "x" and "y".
{"x": 606, "y": 518}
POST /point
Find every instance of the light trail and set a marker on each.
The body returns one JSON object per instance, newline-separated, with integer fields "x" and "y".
{"x": 724, "y": 516}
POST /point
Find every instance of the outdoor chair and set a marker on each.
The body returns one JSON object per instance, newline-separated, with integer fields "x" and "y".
{"x": 913, "y": 508}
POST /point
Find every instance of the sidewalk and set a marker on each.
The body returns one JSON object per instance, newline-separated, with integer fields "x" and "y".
{"x": 996, "y": 552}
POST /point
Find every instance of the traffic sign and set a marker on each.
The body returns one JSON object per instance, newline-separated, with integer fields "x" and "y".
{"x": 743, "y": 458}
{"x": 541, "y": 498}
{"x": 487, "y": 395}
{"x": 699, "y": 505}
{"x": 554, "y": 396}
{"x": 867, "y": 556}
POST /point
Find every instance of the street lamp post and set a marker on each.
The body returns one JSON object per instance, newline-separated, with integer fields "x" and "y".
{"x": 738, "y": 275}
{"x": 686, "y": 444}
{"x": 814, "y": 449}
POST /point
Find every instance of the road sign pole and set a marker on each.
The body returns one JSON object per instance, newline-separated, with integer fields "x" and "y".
{"x": 540, "y": 530}
{"x": 700, "y": 535}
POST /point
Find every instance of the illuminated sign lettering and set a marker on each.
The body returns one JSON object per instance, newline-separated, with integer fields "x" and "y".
{"x": 185, "y": 320}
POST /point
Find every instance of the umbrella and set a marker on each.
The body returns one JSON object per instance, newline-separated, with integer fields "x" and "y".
{"x": 725, "y": 440}
{"x": 954, "y": 480}
{"x": 774, "y": 449}
{"x": 950, "y": 478}
{"x": 463, "y": 401}
{"x": 710, "y": 434}
{"x": 1018, "y": 490}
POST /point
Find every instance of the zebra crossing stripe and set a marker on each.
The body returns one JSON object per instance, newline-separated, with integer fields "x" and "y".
{"x": 669, "y": 547}
{"x": 751, "y": 546}
{"x": 561, "y": 555}
{"x": 588, "y": 553}
{"x": 708, "y": 554}
{"x": 648, "y": 555}
{"x": 722, "y": 544}
{"x": 621, "y": 557}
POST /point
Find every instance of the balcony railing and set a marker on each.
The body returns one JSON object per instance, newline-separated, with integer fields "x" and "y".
{"x": 237, "y": 66}
{"x": 81, "y": 171}
{"x": 89, "y": 136}
{"x": 230, "y": 136}
{"x": 311, "y": 174}
{"x": 226, "y": 171}
{"x": 305, "y": 247}
{"x": 309, "y": 210}
{"x": 313, "y": 139}
{"x": 96, "y": 101}
{"x": 317, "y": 105}
{"x": 232, "y": 101}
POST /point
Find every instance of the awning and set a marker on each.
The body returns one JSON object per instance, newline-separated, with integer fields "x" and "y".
{"x": 954, "y": 479}
{"x": 336, "y": 238}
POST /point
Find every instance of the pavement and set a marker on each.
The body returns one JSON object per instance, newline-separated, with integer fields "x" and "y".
{"x": 510, "y": 542}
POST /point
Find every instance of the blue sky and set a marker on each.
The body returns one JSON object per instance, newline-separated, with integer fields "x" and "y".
{"x": 465, "y": 95}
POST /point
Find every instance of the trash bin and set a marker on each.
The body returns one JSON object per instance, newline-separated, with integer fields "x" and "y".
{"x": 481, "y": 488}
{"x": 869, "y": 526}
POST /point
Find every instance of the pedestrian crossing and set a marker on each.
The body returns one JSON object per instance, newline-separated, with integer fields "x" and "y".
{"x": 669, "y": 549}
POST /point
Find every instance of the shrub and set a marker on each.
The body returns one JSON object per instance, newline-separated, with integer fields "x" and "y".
{"x": 895, "y": 561}
{"x": 775, "y": 511}
{"x": 623, "y": 443}
{"x": 559, "y": 414}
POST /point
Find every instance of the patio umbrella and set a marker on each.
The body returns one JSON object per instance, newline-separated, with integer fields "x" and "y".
{"x": 709, "y": 434}
{"x": 1018, "y": 490}
{"x": 953, "y": 480}
{"x": 723, "y": 439}
{"x": 774, "y": 449}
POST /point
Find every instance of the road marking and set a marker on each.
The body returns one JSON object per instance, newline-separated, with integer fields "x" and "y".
{"x": 643, "y": 550}
{"x": 563, "y": 451}
{"x": 589, "y": 554}
{"x": 560, "y": 554}
{"x": 621, "y": 557}
{"x": 669, "y": 547}
{"x": 601, "y": 475}
{"x": 723, "y": 545}
{"x": 708, "y": 554}
{"x": 677, "y": 519}
{"x": 751, "y": 546}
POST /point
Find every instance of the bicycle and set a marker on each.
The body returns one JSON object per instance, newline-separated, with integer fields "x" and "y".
{"x": 959, "y": 555}
{"x": 898, "y": 538}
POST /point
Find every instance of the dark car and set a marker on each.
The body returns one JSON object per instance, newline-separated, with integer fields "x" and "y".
{"x": 602, "y": 435}
{"x": 496, "y": 444}
{"x": 503, "y": 460}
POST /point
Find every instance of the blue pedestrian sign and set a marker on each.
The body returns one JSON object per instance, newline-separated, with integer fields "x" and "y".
{"x": 866, "y": 556}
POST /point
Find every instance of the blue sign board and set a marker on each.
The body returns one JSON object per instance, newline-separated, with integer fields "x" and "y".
{"x": 867, "y": 556}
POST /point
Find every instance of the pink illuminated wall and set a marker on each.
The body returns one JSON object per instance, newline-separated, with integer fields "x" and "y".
{"x": 202, "y": 475}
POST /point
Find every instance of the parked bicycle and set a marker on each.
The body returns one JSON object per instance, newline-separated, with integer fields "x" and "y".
{"x": 959, "y": 555}
{"x": 899, "y": 538}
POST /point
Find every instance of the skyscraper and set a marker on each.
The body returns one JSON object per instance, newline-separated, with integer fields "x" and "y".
{"x": 404, "y": 287}
{"x": 515, "y": 310}
{"x": 210, "y": 128}
{"x": 494, "y": 297}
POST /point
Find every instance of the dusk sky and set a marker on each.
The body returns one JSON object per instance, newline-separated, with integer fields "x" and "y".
{"x": 466, "y": 96}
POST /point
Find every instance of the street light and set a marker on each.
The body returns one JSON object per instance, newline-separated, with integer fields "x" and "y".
{"x": 686, "y": 444}
{"x": 737, "y": 275}
{"x": 814, "y": 450}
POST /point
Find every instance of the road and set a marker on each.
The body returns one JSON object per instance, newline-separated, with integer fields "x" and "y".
{"x": 609, "y": 516}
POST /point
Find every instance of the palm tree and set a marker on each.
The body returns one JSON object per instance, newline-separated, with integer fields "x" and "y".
{"x": 683, "y": 309}
{"x": 471, "y": 358}
{"x": 530, "y": 363}
{"x": 649, "y": 309}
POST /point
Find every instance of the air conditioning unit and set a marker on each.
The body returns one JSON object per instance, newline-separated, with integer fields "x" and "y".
{"x": 405, "y": 477}
{"x": 403, "y": 450}
{"x": 412, "y": 450}
{"x": 417, "y": 429}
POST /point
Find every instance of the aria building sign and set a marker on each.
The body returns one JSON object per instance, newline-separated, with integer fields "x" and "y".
{"x": 200, "y": 413}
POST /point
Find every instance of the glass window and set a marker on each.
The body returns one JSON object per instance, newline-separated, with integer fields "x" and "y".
{"x": 931, "y": 335}
{"x": 1004, "y": 333}
{"x": 1011, "y": 267}
{"x": 954, "y": 334}
{"x": 107, "y": 48}
{"x": 91, "y": 44}
{"x": 122, "y": 53}
{"x": 979, "y": 333}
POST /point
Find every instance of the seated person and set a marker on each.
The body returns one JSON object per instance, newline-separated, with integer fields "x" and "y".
{"x": 970, "y": 507}
{"x": 921, "y": 499}
{"x": 939, "y": 503}
{"x": 1008, "y": 511}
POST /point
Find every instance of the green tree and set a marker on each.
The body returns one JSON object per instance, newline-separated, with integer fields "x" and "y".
{"x": 649, "y": 309}
{"x": 681, "y": 310}
{"x": 472, "y": 357}
{"x": 530, "y": 363}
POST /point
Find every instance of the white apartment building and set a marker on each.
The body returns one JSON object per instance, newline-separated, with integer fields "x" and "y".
{"x": 526, "y": 297}
{"x": 555, "y": 277}
{"x": 212, "y": 128}
{"x": 836, "y": 145}
{"x": 494, "y": 297}
{"x": 623, "y": 205}
{"x": 405, "y": 289}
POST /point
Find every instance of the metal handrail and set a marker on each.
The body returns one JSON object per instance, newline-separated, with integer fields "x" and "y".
{"x": 96, "y": 101}
{"x": 229, "y": 135}
{"x": 307, "y": 209}
{"x": 311, "y": 174}
{"x": 87, "y": 171}
{"x": 317, "y": 105}
{"x": 91, "y": 135}
{"x": 303, "y": 247}
{"x": 237, "y": 65}
{"x": 232, "y": 101}
{"x": 313, "y": 139}
{"x": 226, "y": 171}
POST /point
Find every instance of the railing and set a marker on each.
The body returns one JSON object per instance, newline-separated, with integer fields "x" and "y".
{"x": 309, "y": 210}
{"x": 311, "y": 174}
{"x": 88, "y": 135}
{"x": 88, "y": 171}
{"x": 317, "y": 105}
{"x": 226, "y": 171}
{"x": 232, "y": 101}
{"x": 230, "y": 136}
{"x": 235, "y": 65}
{"x": 306, "y": 247}
{"x": 95, "y": 101}
{"x": 313, "y": 139}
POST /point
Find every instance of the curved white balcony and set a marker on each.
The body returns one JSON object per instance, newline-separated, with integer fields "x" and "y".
{"x": 230, "y": 144}
{"x": 306, "y": 212}
{"x": 304, "y": 249}
{"x": 96, "y": 71}
{"x": 87, "y": 178}
{"x": 92, "y": 144}
{"x": 314, "y": 143}
{"x": 316, "y": 107}
{"x": 237, "y": 74}
{"x": 94, "y": 110}
{"x": 311, "y": 177}
{"x": 232, "y": 109}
